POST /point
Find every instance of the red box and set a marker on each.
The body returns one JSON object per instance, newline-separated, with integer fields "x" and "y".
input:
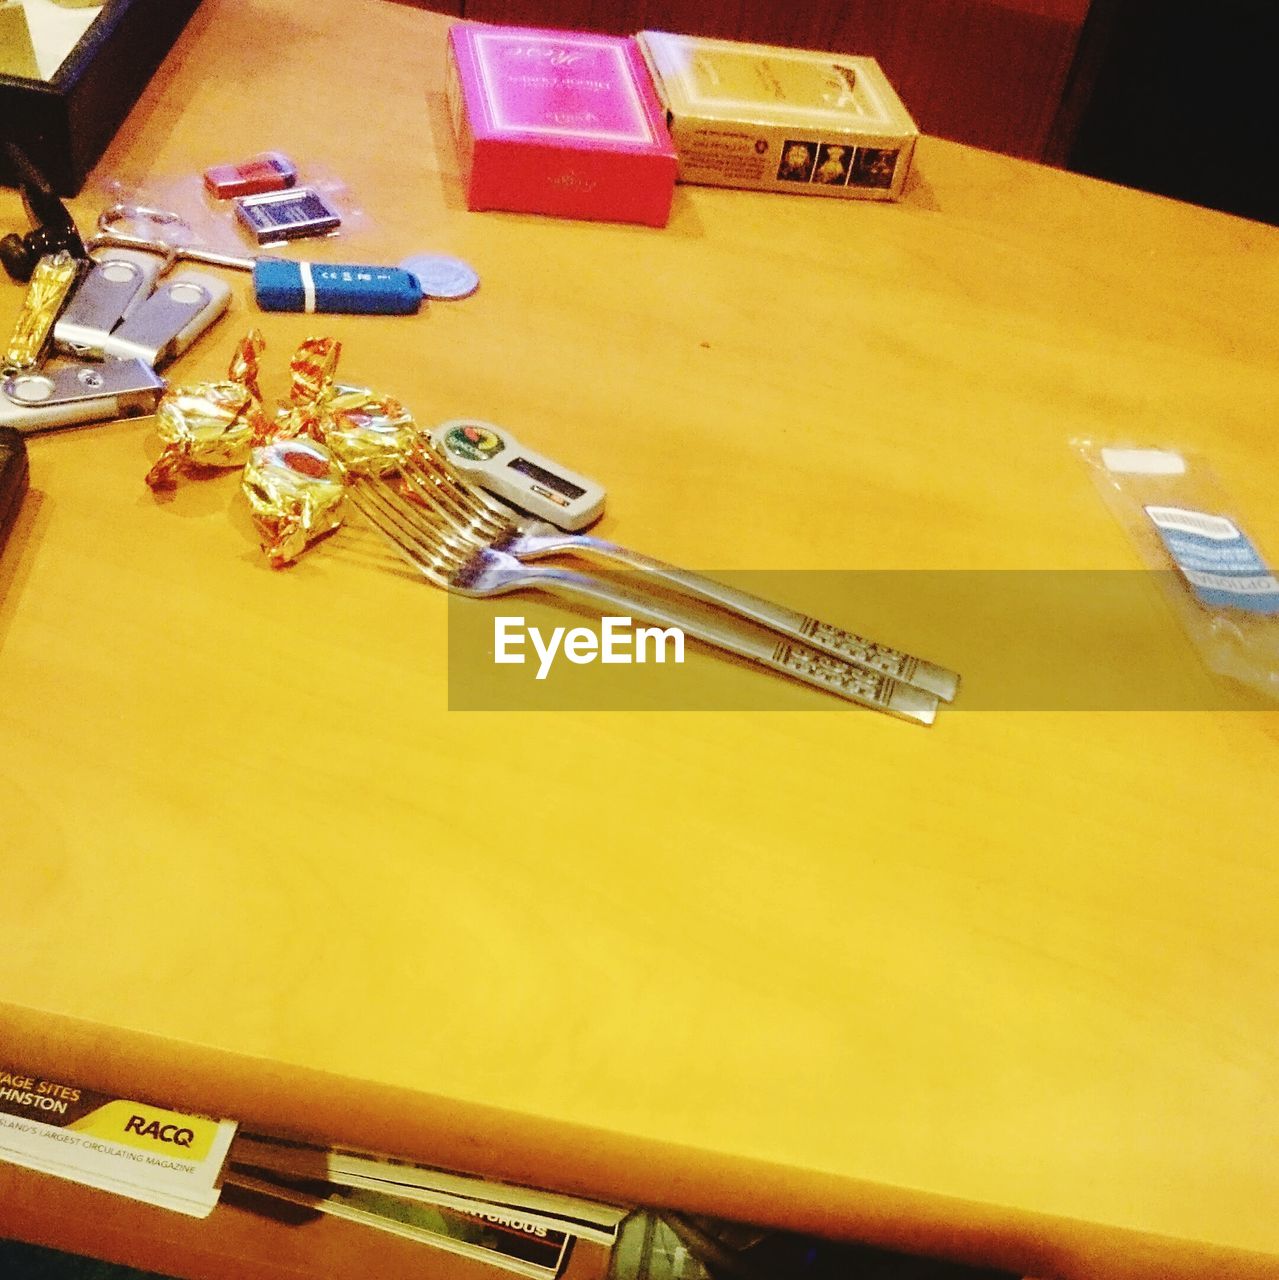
{"x": 559, "y": 122}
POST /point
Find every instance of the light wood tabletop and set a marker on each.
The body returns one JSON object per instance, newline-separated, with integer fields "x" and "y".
{"x": 1002, "y": 989}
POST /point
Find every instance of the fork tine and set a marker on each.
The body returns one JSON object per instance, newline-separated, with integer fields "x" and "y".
{"x": 428, "y": 463}
{"x": 418, "y": 542}
{"x": 388, "y": 527}
{"x": 440, "y": 500}
{"x": 431, "y": 468}
{"x": 448, "y": 497}
{"x": 433, "y": 459}
{"x": 426, "y": 491}
{"x": 426, "y": 518}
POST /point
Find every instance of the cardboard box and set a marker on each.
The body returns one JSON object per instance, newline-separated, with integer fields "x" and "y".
{"x": 65, "y": 122}
{"x": 558, "y": 122}
{"x": 773, "y": 119}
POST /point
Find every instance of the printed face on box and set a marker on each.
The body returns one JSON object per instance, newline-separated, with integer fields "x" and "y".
{"x": 832, "y": 165}
{"x": 874, "y": 167}
{"x": 37, "y": 35}
{"x": 797, "y": 161}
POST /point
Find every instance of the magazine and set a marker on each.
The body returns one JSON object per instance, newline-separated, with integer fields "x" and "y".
{"x": 507, "y": 1240}
{"x": 585, "y": 1219}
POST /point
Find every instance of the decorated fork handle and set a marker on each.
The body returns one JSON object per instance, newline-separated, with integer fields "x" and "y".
{"x": 866, "y": 688}
{"x": 810, "y": 633}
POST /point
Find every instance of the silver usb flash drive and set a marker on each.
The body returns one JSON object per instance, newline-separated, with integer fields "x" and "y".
{"x": 79, "y": 393}
{"x": 170, "y": 320}
{"x": 118, "y": 283}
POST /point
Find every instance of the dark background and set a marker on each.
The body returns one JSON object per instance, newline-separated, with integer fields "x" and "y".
{"x": 1183, "y": 101}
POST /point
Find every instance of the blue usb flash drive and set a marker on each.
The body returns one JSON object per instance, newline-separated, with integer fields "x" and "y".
{"x": 341, "y": 289}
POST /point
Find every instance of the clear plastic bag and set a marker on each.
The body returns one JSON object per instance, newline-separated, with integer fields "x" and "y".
{"x": 205, "y": 220}
{"x": 1213, "y": 576}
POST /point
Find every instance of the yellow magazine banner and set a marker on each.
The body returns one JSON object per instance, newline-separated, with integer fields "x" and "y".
{"x": 163, "y": 1157}
{"x": 150, "y": 1129}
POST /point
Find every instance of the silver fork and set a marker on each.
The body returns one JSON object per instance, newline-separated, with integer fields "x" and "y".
{"x": 489, "y": 524}
{"x": 431, "y": 542}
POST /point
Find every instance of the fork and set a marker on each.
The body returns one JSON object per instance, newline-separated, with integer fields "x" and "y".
{"x": 428, "y": 540}
{"x": 433, "y": 478}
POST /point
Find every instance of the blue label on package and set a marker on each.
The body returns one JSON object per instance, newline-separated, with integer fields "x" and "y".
{"x": 1222, "y": 567}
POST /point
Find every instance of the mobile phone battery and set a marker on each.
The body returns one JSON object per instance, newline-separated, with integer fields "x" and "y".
{"x": 286, "y": 215}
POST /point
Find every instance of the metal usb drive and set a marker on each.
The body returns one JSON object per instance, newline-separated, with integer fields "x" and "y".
{"x": 79, "y": 393}
{"x": 170, "y": 320}
{"x": 116, "y": 285}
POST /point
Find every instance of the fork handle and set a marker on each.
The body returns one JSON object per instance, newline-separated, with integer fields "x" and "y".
{"x": 810, "y": 632}
{"x": 823, "y": 671}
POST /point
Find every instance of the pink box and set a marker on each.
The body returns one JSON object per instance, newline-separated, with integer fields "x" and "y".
{"x": 559, "y": 122}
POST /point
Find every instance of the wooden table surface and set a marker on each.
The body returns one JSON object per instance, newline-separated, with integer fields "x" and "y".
{"x": 1002, "y": 989}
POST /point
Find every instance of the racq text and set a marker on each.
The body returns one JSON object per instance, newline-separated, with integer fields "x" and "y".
{"x": 619, "y": 641}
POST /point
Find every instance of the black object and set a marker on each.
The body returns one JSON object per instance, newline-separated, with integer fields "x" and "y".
{"x": 13, "y": 477}
{"x": 21, "y": 1261}
{"x": 733, "y": 1251}
{"x": 64, "y": 124}
{"x": 53, "y": 228}
{"x": 1183, "y": 102}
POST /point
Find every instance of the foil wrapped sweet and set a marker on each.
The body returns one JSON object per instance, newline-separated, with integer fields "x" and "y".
{"x": 295, "y": 459}
{"x": 296, "y": 492}
{"x": 367, "y": 433}
{"x": 310, "y": 389}
{"x": 370, "y": 434}
{"x": 212, "y": 424}
{"x": 51, "y": 283}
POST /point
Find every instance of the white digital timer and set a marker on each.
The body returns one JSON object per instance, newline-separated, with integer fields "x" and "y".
{"x": 494, "y": 459}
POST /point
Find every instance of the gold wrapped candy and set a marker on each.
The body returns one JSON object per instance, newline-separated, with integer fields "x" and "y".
{"x": 212, "y": 424}
{"x": 310, "y": 390}
{"x": 54, "y": 277}
{"x": 368, "y": 433}
{"x": 296, "y": 491}
{"x": 295, "y": 460}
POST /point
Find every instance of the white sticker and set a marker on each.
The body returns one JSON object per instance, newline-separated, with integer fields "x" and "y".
{"x": 1144, "y": 462}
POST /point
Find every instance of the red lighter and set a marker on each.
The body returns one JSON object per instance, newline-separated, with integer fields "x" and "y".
{"x": 270, "y": 171}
